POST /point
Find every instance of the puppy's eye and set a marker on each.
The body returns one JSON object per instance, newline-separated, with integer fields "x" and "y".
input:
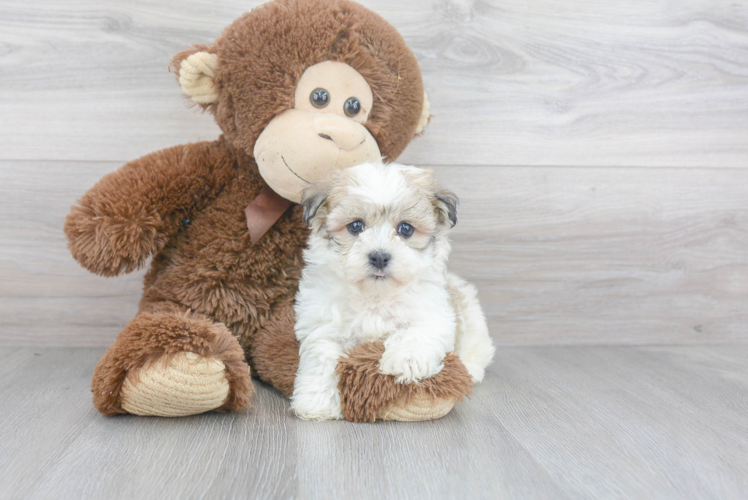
{"x": 319, "y": 98}
{"x": 356, "y": 227}
{"x": 352, "y": 106}
{"x": 405, "y": 230}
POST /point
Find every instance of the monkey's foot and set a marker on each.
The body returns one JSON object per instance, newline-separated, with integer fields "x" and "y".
{"x": 367, "y": 395}
{"x": 420, "y": 407}
{"x": 187, "y": 384}
{"x": 172, "y": 363}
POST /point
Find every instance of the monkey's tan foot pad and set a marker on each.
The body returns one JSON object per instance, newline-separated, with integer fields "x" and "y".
{"x": 420, "y": 407}
{"x": 189, "y": 384}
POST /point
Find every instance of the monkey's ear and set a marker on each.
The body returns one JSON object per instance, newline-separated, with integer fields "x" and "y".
{"x": 425, "y": 115}
{"x": 197, "y": 68}
{"x": 312, "y": 198}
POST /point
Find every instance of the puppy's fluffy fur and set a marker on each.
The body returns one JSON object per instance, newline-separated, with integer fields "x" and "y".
{"x": 368, "y": 279}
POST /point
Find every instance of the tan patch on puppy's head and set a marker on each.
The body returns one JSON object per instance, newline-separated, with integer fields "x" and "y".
{"x": 399, "y": 212}
{"x": 443, "y": 202}
{"x": 422, "y": 196}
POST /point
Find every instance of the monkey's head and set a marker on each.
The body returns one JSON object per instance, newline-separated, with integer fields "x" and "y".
{"x": 308, "y": 87}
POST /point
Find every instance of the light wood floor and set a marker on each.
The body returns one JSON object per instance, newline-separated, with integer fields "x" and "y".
{"x": 548, "y": 422}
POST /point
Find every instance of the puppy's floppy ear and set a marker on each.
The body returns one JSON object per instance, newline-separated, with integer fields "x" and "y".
{"x": 312, "y": 198}
{"x": 446, "y": 203}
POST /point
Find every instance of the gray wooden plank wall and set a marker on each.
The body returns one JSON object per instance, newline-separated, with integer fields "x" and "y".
{"x": 600, "y": 150}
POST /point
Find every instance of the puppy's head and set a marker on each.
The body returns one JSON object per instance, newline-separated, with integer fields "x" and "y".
{"x": 381, "y": 225}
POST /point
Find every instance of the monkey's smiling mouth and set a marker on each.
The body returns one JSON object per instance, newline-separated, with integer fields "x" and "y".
{"x": 289, "y": 168}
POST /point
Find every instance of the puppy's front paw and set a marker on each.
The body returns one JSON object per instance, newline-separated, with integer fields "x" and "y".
{"x": 317, "y": 405}
{"x": 410, "y": 365}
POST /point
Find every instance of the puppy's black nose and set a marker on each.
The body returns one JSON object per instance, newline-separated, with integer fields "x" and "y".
{"x": 379, "y": 259}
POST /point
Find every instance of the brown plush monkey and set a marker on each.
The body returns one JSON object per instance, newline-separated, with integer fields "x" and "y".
{"x": 299, "y": 88}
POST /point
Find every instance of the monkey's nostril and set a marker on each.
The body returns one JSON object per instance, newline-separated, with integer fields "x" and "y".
{"x": 325, "y": 136}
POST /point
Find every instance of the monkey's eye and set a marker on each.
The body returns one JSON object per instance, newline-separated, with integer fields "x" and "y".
{"x": 319, "y": 98}
{"x": 352, "y": 106}
{"x": 356, "y": 227}
{"x": 405, "y": 230}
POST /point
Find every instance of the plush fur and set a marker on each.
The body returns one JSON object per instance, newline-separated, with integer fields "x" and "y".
{"x": 156, "y": 337}
{"x": 205, "y": 263}
{"x": 366, "y": 394}
{"x": 264, "y": 53}
{"x": 347, "y": 297}
{"x": 184, "y": 206}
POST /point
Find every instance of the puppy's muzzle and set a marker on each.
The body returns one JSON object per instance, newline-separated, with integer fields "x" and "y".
{"x": 379, "y": 259}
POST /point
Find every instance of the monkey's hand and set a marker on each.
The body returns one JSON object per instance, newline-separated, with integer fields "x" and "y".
{"x": 116, "y": 242}
{"x": 134, "y": 211}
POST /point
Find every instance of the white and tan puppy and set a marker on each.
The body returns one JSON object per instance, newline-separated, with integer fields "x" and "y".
{"x": 376, "y": 270}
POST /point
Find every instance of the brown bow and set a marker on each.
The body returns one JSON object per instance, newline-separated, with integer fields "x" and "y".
{"x": 263, "y": 212}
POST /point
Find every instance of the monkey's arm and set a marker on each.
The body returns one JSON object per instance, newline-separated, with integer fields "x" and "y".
{"x": 132, "y": 212}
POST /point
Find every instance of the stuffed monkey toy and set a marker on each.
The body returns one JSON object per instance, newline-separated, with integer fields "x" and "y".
{"x": 299, "y": 88}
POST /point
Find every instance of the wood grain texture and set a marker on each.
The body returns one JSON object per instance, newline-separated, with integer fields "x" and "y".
{"x": 559, "y": 255}
{"x": 598, "y": 256}
{"x": 548, "y": 422}
{"x": 515, "y": 82}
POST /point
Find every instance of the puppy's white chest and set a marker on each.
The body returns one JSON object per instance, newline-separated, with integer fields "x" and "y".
{"x": 375, "y": 323}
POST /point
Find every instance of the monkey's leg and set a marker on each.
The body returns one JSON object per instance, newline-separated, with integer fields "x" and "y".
{"x": 171, "y": 362}
{"x": 367, "y": 395}
{"x": 275, "y": 350}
